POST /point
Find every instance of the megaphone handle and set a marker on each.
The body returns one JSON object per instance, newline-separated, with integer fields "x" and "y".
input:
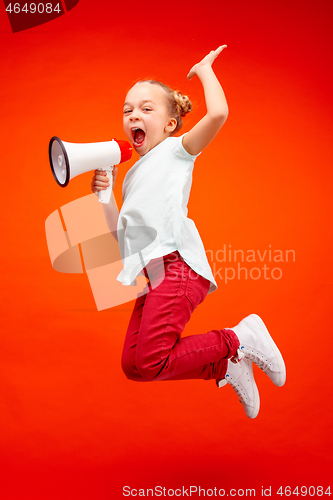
{"x": 105, "y": 194}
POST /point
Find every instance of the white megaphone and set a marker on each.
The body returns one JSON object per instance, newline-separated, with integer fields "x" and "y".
{"x": 70, "y": 159}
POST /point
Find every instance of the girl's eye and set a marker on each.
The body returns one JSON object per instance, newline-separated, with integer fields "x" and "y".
{"x": 146, "y": 109}
{"x": 126, "y": 111}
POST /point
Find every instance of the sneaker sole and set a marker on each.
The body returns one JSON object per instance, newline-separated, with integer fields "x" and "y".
{"x": 256, "y": 396}
{"x": 256, "y": 400}
{"x": 282, "y": 366}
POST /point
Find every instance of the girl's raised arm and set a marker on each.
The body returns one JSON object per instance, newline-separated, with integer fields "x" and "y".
{"x": 217, "y": 109}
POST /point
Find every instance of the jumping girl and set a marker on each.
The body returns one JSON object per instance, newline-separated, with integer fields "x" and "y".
{"x": 153, "y": 225}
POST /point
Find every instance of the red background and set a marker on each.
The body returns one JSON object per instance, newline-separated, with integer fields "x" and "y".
{"x": 72, "y": 425}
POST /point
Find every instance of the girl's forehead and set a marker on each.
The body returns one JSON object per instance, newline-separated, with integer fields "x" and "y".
{"x": 145, "y": 91}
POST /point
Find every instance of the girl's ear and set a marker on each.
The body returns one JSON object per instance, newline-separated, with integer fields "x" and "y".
{"x": 172, "y": 124}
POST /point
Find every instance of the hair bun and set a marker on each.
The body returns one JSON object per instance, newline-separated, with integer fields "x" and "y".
{"x": 183, "y": 103}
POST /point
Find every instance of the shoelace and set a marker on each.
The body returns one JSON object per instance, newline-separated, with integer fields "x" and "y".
{"x": 256, "y": 357}
{"x": 238, "y": 356}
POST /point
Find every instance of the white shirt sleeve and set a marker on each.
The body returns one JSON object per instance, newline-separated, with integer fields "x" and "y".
{"x": 179, "y": 151}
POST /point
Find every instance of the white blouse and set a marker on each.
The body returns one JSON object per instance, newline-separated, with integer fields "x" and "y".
{"x": 153, "y": 219}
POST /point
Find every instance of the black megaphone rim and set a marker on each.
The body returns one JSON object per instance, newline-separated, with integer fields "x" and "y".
{"x": 55, "y": 138}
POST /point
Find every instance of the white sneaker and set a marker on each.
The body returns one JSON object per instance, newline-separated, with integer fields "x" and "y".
{"x": 258, "y": 346}
{"x": 240, "y": 377}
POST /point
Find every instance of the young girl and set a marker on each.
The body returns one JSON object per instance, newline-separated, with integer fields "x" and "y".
{"x": 157, "y": 238}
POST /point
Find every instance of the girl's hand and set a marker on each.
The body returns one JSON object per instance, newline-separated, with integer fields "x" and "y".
{"x": 208, "y": 60}
{"x": 100, "y": 181}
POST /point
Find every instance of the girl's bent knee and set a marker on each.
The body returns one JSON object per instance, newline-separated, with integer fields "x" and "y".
{"x": 133, "y": 373}
{"x": 147, "y": 372}
{"x": 129, "y": 369}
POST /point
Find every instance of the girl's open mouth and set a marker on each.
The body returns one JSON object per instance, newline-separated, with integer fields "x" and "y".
{"x": 138, "y": 137}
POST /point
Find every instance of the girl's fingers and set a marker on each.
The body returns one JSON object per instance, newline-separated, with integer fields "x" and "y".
{"x": 100, "y": 172}
{"x": 100, "y": 184}
{"x": 209, "y": 59}
{"x": 96, "y": 189}
{"x": 100, "y": 178}
{"x": 220, "y": 48}
{"x": 100, "y": 181}
{"x": 217, "y": 52}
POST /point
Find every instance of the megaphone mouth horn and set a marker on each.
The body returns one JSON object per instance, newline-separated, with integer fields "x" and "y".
{"x": 59, "y": 161}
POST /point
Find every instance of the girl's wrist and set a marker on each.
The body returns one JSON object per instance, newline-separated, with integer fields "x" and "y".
{"x": 204, "y": 70}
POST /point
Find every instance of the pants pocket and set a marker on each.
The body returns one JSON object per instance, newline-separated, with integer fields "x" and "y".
{"x": 197, "y": 288}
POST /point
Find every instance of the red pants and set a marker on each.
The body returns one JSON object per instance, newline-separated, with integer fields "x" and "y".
{"x": 154, "y": 349}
